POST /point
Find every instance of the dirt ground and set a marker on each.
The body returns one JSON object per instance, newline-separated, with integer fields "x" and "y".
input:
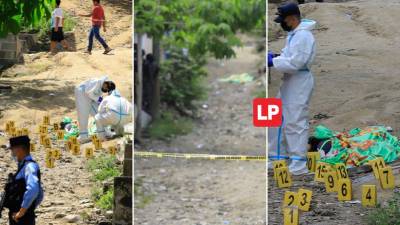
{"x": 211, "y": 192}
{"x": 356, "y": 82}
{"x": 44, "y": 85}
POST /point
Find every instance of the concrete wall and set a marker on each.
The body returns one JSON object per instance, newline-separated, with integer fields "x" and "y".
{"x": 10, "y": 50}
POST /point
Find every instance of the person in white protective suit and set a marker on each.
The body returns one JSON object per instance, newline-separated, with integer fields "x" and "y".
{"x": 88, "y": 96}
{"x": 114, "y": 111}
{"x": 291, "y": 139}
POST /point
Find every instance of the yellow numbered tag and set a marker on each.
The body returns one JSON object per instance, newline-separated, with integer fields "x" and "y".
{"x": 320, "y": 169}
{"x": 46, "y": 120}
{"x": 376, "y": 165}
{"x": 331, "y": 181}
{"x": 69, "y": 145}
{"x": 32, "y": 147}
{"x": 290, "y": 199}
{"x": 12, "y": 123}
{"x": 47, "y": 142}
{"x": 97, "y": 144}
{"x": 290, "y": 216}
{"x": 56, "y": 126}
{"x": 43, "y": 129}
{"x": 386, "y": 178}
{"x": 49, "y": 162}
{"x": 74, "y": 140}
{"x": 60, "y": 135}
{"x": 368, "y": 195}
{"x": 20, "y": 133}
{"x": 25, "y": 131}
{"x": 304, "y": 199}
{"x": 89, "y": 153}
{"x": 8, "y": 127}
{"x": 94, "y": 138}
{"x": 42, "y": 138}
{"x": 342, "y": 171}
{"x": 344, "y": 190}
{"x": 283, "y": 177}
{"x": 76, "y": 150}
{"x": 56, "y": 154}
{"x": 312, "y": 158}
{"x": 13, "y": 131}
{"x": 278, "y": 164}
{"x": 49, "y": 153}
{"x": 112, "y": 150}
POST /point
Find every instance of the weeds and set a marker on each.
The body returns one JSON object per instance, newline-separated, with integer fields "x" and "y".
{"x": 168, "y": 126}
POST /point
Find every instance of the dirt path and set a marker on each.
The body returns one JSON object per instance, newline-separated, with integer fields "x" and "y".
{"x": 211, "y": 192}
{"x": 356, "y": 74}
{"x": 43, "y": 85}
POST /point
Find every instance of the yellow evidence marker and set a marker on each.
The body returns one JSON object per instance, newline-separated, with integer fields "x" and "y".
{"x": 112, "y": 150}
{"x": 8, "y": 127}
{"x": 76, "y": 150}
{"x": 386, "y": 178}
{"x": 69, "y": 145}
{"x": 94, "y": 138}
{"x": 278, "y": 164}
{"x": 290, "y": 199}
{"x": 42, "y": 138}
{"x": 25, "y": 131}
{"x": 56, "y": 154}
{"x": 312, "y": 158}
{"x": 89, "y": 153}
{"x": 331, "y": 181}
{"x": 368, "y": 195}
{"x": 42, "y": 129}
{"x": 56, "y": 126}
{"x": 47, "y": 142}
{"x": 320, "y": 169}
{"x": 13, "y": 132}
{"x": 283, "y": 177}
{"x": 50, "y": 162}
{"x": 290, "y": 216}
{"x": 376, "y": 165}
{"x": 344, "y": 190}
{"x": 60, "y": 134}
{"x": 46, "y": 120}
{"x": 74, "y": 140}
{"x": 342, "y": 171}
{"x": 97, "y": 144}
{"x": 32, "y": 147}
{"x": 20, "y": 132}
{"x": 304, "y": 199}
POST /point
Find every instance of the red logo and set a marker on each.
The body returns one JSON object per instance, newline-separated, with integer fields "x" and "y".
{"x": 267, "y": 112}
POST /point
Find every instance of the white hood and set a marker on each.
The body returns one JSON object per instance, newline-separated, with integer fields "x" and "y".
{"x": 306, "y": 24}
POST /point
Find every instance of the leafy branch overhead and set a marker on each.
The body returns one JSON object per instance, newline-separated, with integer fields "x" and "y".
{"x": 16, "y": 14}
{"x": 202, "y": 26}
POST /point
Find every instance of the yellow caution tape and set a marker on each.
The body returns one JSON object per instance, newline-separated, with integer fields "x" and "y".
{"x": 198, "y": 156}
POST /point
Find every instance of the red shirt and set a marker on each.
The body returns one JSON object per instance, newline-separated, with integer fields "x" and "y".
{"x": 98, "y": 15}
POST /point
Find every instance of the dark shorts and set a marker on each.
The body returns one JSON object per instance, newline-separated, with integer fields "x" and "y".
{"x": 27, "y": 219}
{"x": 57, "y": 36}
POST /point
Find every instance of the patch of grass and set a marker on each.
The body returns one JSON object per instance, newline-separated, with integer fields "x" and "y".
{"x": 104, "y": 167}
{"x": 385, "y": 215}
{"x": 103, "y": 200}
{"x": 69, "y": 23}
{"x": 168, "y": 126}
{"x": 141, "y": 198}
{"x": 260, "y": 93}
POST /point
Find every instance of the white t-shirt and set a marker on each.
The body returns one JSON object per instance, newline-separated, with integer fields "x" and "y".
{"x": 58, "y": 12}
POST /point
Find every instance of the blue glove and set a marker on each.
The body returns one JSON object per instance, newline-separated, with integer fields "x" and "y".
{"x": 270, "y": 57}
{"x": 100, "y": 99}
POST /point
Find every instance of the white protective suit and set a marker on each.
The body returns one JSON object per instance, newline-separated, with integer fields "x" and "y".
{"x": 295, "y": 92}
{"x": 87, "y": 95}
{"x": 114, "y": 111}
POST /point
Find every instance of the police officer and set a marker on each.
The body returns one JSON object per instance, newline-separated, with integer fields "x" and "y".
{"x": 23, "y": 192}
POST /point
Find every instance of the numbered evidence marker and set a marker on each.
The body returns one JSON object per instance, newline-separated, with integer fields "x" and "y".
{"x": 290, "y": 199}
{"x": 344, "y": 190}
{"x": 46, "y": 120}
{"x": 94, "y": 138}
{"x": 341, "y": 171}
{"x": 32, "y": 147}
{"x": 97, "y": 144}
{"x": 278, "y": 164}
{"x": 376, "y": 165}
{"x": 112, "y": 150}
{"x": 312, "y": 158}
{"x": 50, "y": 162}
{"x": 89, "y": 153}
{"x": 19, "y": 132}
{"x": 8, "y": 127}
{"x": 290, "y": 216}
{"x": 42, "y": 138}
{"x": 283, "y": 177}
{"x": 304, "y": 199}
{"x": 320, "y": 170}
{"x": 42, "y": 129}
{"x": 56, "y": 154}
{"x": 386, "y": 178}
{"x": 60, "y": 134}
{"x": 331, "y": 181}
{"x": 56, "y": 126}
{"x": 368, "y": 195}
{"x": 74, "y": 140}
{"x": 13, "y": 132}
{"x": 69, "y": 145}
{"x": 76, "y": 150}
{"x": 47, "y": 142}
{"x": 25, "y": 131}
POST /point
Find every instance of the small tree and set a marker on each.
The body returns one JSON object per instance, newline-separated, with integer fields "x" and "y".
{"x": 14, "y": 14}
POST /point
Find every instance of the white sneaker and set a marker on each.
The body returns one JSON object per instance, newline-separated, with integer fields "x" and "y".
{"x": 298, "y": 167}
{"x": 84, "y": 139}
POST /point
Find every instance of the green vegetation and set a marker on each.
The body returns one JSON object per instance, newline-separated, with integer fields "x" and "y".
{"x": 168, "y": 126}
{"x": 260, "y": 93}
{"x": 385, "y": 215}
{"x": 141, "y": 198}
{"x": 14, "y": 15}
{"x": 103, "y": 168}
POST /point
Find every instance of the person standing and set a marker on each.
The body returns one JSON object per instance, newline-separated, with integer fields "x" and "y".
{"x": 24, "y": 191}
{"x": 296, "y": 90}
{"x": 57, "y": 33}
{"x": 98, "y": 21}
